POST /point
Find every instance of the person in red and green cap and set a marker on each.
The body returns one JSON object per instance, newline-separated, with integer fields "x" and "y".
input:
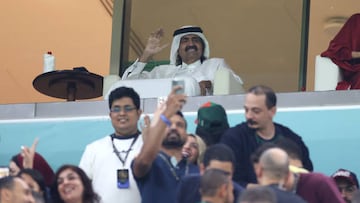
{"x": 211, "y": 122}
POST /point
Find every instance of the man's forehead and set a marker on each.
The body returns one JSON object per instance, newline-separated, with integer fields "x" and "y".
{"x": 190, "y": 36}
{"x": 252, "y": 99}
{"x": 125, "y": 100}
{"x": 214, "y": 163}
{"x": 177, "y": 117}
{"x": 343, "y": 181}
{"x": 20, "y": 183}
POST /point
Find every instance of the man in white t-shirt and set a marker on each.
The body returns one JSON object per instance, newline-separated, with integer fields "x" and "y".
{"x": 189, "y": 61}
{"x": 107, "y": 160}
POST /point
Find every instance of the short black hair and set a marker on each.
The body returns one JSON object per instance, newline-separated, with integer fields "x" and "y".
{"x": 179, "y": 113}
{"x": 290, "y": 147}
{"x": 258, "y": 194}
{"x": 255, "y": 156}
{"x": 36, "y": 176}
{"x": 7, "y": 182}
{"x": 219, "y": 152}
{"x": 123, "y": 91}
{"x": 212, "y": 180}
{"x": 267, "y": 91}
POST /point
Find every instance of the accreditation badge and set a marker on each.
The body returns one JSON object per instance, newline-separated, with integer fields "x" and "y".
{"x": 123, "y": 178}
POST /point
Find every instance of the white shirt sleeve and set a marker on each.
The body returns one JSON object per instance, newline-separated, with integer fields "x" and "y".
{"x": 135, "y": 71}
{"x": 86, "y": 162}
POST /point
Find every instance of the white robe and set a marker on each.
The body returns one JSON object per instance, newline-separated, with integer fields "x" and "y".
{"x": 196, "y": 71}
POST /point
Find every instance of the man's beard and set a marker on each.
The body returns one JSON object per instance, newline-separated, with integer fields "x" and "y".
{"x": 173, "y": 140}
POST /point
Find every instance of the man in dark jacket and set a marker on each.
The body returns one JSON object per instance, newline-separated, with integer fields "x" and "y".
{"x": 217, "y": 156}
{"x": 259, "y": 128}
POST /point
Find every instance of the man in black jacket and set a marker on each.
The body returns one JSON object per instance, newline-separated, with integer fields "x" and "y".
{"x": 217, "y": 156}
{"x": 259, "y": 128}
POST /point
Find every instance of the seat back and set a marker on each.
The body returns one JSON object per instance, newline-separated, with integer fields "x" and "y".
{"x": 225, "y": 83}
{"x": 327, "y": 74}
{"x": 152, "y": 88}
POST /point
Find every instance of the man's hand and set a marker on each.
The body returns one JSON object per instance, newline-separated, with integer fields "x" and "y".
{"x": 153, "y": 45}
{"x": 205, "y": 87}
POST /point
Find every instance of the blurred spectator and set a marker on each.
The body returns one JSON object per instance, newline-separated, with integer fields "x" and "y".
{"x": 216, "y": 187}
{"x": 193, "y": 149}
{"x": 312, "y": 187}
{"x": 15, "y": 190}
{"x": 29, "y": 158}
{"x": 217, "y": 156}
{"x": 347, "y": 183}
{"x": 73, "y": 185}
{"x": 272, "y": 171}
{"x": 211, "y": 122}
{"x": 258, "y": 194}
{"x": 36, "y": 183}
{"x": 344, "y": 51}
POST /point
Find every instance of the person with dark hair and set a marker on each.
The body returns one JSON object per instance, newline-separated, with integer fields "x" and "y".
{"x": 217, "y": 156}
{"x": 29, "y": 158}
{"x": 189, "y": 59}
{"x": 259, "y": 128}
{"x": 107, "y": 161}
{"x": 216, "y": 187}
{"x": 73, "y": 185}
{"x": 259, "y": 194}
{"x": 160, "y": 165}
{"x": 347, "y": 183}
{"x": 344, "y": 51}
{"x": 36, "y": 182}
{"x": 14, "y": 190}
{"x": 292, "y": 149}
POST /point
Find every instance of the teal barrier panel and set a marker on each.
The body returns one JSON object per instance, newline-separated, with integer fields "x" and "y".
{"x": 329, "y": 132}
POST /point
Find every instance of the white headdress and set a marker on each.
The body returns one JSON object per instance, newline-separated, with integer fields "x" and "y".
{"x": 186, "y": 30}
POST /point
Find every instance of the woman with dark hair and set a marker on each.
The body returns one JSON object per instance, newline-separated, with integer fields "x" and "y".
{"x": 29, "y": 158}
{"x": 39, "y": 163}
{"x": 36, "y": 182}
{"x": 73, "y": 185}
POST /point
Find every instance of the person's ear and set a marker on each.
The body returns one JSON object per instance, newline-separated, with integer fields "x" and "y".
{"x": 259, "y": 172}
{"x": 5, "y": 195}
{"x": 223, "y": 190}
{"x": 256, "y": 169}
{"x": 139, "y": 112}
{"x": 273, "y": 111}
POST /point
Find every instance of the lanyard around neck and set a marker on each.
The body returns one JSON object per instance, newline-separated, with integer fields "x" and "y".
{"x": 116, "y": 151}
{"x": 171, "y": 167}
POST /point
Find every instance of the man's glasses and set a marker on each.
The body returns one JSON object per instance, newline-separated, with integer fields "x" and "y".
{"x": 126, "y": 109}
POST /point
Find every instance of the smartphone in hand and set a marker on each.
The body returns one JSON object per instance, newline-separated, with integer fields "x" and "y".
{"x": 179, "y": 83}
